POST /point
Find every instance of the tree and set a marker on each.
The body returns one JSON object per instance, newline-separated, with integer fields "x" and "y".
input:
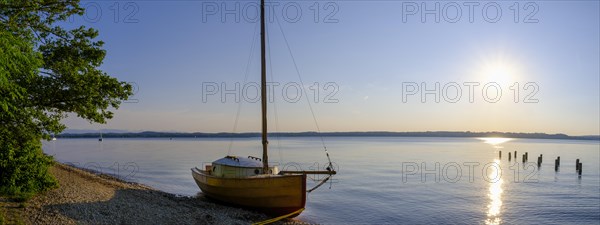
{"x": 46, "y": 72}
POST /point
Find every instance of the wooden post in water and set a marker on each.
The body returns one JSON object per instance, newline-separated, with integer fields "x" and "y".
{"x": 577, "y": 165}
{"x": 558, "y": 160}
{"x": 515, "y": 155}
{"x": 539, "y": 161}
{"x": 523, "y": 158}
{"x": 526, "y": 156}
{"x": 580, "y": 168}
{"x": 556, "y": 165}
{"x": 500, "y": 154}
{"x": 508, "y": 156}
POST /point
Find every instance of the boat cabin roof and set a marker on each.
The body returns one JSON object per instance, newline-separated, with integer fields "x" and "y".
{"x": 236, "y": 161}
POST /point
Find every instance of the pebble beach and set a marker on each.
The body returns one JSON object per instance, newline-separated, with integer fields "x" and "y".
{"x": 88, "y": 198}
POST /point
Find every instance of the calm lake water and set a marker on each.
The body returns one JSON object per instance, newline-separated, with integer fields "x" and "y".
{"x": 394, "y": 180}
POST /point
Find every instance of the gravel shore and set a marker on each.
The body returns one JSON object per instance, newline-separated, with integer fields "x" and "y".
{"x": 87, "y": 198}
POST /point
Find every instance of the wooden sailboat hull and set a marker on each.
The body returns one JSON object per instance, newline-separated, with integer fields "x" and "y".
{"x": 274, "y": 195}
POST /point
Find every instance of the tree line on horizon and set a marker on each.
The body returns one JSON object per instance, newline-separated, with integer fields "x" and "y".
{"x": 155, "y": 134}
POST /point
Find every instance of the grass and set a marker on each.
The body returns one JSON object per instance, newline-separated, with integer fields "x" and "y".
{"x": 11, "y": 210}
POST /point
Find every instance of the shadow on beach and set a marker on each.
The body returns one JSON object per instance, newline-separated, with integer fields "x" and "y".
{"x": 130, "y": 206}
{"x": 87, "y": 198}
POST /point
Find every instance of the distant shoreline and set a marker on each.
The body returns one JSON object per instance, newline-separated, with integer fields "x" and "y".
{"x": 153, "y": 134}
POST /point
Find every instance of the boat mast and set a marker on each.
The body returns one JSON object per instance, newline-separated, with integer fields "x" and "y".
{"x": 263, "y": 86}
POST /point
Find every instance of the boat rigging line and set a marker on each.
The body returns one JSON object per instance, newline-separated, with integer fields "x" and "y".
{"x": 239, "y": 107}
{"x": 271, "y": 77}
{"x": 330, "y": 166}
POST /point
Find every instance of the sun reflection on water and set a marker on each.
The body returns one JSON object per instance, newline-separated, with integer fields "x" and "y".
{"x": 495, "y": 195}
{"x": 495, "y": 141}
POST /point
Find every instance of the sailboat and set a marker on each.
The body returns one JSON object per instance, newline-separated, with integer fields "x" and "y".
{"x": 100, "y": 139}
{"x": 250, "y": 182}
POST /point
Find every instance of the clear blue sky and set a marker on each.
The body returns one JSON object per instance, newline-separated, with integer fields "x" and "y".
{"x": 371, "y": 51}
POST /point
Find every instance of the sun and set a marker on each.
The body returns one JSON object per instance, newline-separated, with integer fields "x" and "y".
{"x": 499, "y": 71}
{"x": 499, "y": 66}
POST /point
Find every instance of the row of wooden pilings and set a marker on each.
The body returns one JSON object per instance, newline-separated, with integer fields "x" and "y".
{"x": 525, "y": 158}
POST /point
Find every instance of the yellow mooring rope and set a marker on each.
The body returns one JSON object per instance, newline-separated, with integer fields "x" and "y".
{"x": 278, "y": 218}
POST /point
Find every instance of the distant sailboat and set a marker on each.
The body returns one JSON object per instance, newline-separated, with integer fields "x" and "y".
{"x": 251, "y": 182}
{"x": 100, "y": 139}
{"x": 53, "y": 138}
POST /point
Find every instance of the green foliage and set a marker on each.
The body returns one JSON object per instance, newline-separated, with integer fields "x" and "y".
{"x": 46, "y": 72}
